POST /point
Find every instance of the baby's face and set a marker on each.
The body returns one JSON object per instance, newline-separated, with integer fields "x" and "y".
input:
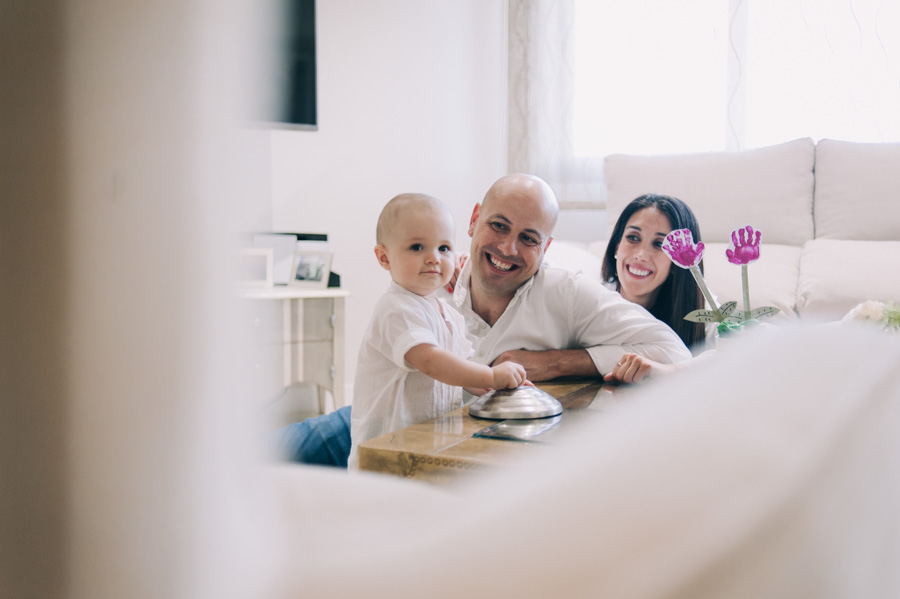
{"x": 420, "y": 250}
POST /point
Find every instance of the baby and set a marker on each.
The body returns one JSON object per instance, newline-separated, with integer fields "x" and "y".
{"x": 412, "y": 363}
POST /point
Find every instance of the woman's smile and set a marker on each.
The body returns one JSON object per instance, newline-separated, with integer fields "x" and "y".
{"x": 637, "y": 271}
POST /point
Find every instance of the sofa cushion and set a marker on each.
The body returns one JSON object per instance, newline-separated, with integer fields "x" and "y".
{"x": 837, "y": 275}
{"x": 769, "y": 188}
{"x": 772, "y": 278}
{"x": 575, "y": 257}
{"x": 854, "y": 182}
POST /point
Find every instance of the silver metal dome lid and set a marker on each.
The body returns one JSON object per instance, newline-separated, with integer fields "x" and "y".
{"x": 513, "y": 404}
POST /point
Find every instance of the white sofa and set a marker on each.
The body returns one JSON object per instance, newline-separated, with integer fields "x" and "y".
{"x": 753, "y": 475}
{"x": 829, "y": 213}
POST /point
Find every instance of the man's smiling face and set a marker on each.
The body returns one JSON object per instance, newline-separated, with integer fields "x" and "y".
{"x": 510, "y": 232}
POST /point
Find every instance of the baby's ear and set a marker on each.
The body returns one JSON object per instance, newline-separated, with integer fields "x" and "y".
{"x": 381, "y": 255}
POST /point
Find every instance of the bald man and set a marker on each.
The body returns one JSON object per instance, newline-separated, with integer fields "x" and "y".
{"x": 553, "y": 322}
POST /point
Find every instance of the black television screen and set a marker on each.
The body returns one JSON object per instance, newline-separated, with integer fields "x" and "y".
{"x": 289, "y": 96}
{"x": 300, "y": 51}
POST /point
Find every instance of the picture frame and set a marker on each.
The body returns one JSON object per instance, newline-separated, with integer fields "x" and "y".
{"x": 255, "y": 267}
{"x": 284, "y": 245}
{"x": 310, "y": 269}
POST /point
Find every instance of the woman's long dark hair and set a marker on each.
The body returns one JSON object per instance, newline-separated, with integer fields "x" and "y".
{"x": 679, "y": 294}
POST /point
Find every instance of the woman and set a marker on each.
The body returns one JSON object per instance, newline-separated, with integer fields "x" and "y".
{"x": 636, "y": 266}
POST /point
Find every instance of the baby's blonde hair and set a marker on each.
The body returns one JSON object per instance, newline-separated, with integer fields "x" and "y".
{"x": 401, "y": 204}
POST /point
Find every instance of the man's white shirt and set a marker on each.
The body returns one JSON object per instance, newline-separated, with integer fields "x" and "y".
{"x": 558, "y": 309}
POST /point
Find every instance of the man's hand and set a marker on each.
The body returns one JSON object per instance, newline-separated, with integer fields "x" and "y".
{"x": 460, "y": 262}
{"x": 508, "y": 375}
{"x": 550, "y": 364}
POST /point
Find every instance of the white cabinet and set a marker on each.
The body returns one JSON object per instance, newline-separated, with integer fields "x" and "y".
{"x": 297, "y": 335}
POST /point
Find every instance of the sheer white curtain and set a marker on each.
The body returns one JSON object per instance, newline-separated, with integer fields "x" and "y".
{"x": 540, "y": 107}
{"x": 590, "y": 78}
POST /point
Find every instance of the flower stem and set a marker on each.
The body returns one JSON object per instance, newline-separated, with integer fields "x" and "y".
{"x": 745, "y": 283}
{"x": 705, "y": 291}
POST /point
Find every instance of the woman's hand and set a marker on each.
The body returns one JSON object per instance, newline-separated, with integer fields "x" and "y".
{"x": 632, "y": 368}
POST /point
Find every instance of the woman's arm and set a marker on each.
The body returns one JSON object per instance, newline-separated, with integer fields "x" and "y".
{"x": 633, "y": 368}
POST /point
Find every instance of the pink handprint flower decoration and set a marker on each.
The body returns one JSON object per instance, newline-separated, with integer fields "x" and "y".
{"x": 746, "y": 246}
{"x": 680, "y": 247}
{"x": 746, "y": 250}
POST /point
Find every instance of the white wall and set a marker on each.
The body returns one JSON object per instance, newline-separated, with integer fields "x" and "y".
{"x": 124, "y": 456}
{"x": 411, "y": 98}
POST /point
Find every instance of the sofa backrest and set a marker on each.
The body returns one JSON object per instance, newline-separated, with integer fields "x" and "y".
{"x": 770, "y": 188}
{"x": 857, "y": 193}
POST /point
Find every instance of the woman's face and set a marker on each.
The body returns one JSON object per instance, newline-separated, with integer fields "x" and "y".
{"x": 641, "y": 265}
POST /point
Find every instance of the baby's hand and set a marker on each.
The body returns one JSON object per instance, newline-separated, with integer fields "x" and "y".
{"x": 508, "y": 375}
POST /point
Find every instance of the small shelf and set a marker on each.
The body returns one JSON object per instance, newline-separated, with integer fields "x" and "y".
{"x": 288, "y": 292}
{"x": 306, "y": 327}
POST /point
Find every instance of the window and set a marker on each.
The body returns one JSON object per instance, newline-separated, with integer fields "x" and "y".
{"x": 589, "y": 78}
{"x": 650, "y": 76}
{"x": 829, "y": 68}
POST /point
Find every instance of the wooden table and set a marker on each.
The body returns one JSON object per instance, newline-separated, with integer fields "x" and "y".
{"x": 442, "y": 449}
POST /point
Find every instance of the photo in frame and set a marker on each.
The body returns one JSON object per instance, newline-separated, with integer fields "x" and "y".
{"x": 310, "y": 269}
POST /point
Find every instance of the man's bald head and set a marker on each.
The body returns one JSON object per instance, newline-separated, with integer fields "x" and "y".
{"x": 525, "y": 188}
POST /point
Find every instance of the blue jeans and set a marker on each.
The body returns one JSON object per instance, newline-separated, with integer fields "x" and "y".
{"x": 323, "y": 440}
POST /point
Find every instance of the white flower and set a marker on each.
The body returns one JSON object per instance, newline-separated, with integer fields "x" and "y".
{"x": 868, "y": 311}
{"x": 885, "y": 315}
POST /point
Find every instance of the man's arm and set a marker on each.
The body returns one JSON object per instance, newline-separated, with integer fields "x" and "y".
{"x": 610, "y": 326}
{"x": 552, "y": 363}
